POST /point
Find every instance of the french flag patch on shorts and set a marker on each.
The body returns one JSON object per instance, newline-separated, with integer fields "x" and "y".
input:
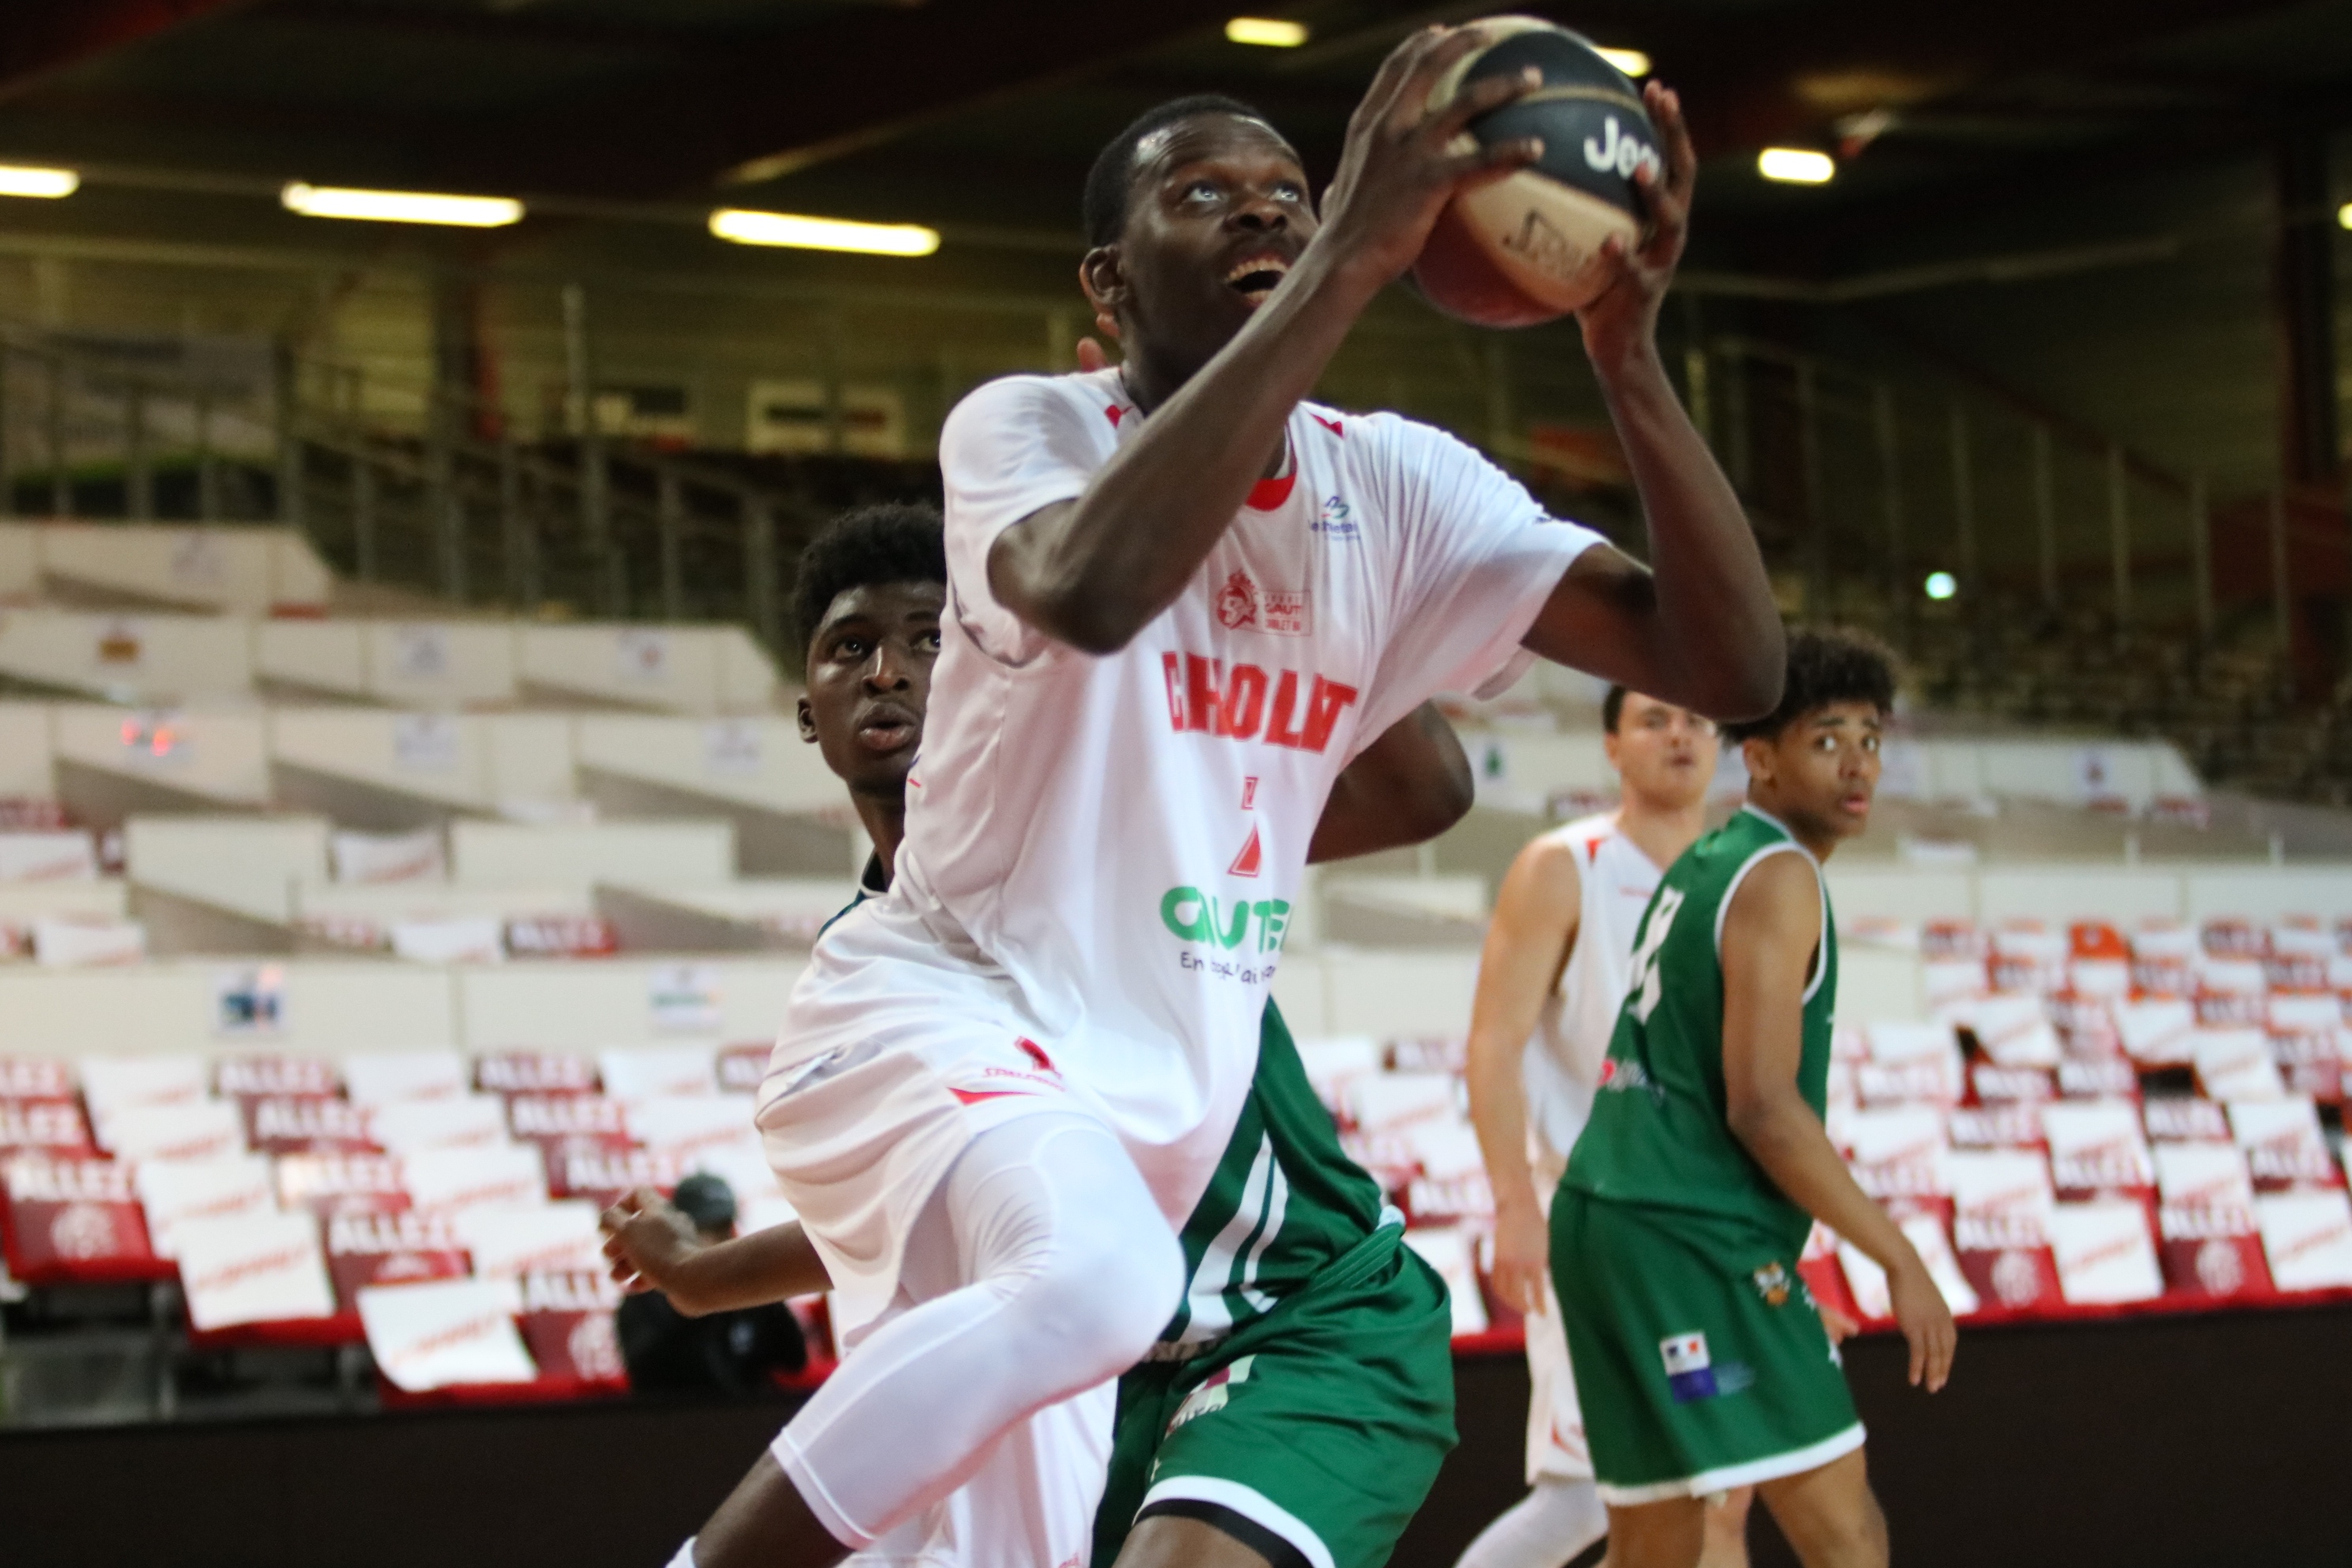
{"x": 1690, "y": 1375}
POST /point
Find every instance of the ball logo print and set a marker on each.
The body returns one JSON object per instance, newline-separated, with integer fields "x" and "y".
{"x": 1613, "y": 151}
{"x": 1542, "y": 246}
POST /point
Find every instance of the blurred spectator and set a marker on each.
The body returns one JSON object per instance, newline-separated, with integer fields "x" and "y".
{"x": 730, "y": 1352}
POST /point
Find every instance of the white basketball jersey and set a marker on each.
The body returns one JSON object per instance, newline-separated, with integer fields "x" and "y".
{"x": 1571, "y": 1038}
{"x": 1103, "y": 851}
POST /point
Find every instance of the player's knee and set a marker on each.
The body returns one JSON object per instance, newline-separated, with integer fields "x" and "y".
{"x": 1105, "y": 1296}
{"x": 1848, "y": 1537}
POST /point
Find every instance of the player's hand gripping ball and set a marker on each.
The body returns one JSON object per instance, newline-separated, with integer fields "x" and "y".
{"x": 1527, "y": 247}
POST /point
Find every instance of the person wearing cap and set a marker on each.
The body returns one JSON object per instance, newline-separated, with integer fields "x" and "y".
{"x": 733, "y": 1352}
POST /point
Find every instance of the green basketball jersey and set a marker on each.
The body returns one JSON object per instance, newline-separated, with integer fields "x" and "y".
{"x": 1659, "y": 1133}
{"x": 1284, "y": 1201}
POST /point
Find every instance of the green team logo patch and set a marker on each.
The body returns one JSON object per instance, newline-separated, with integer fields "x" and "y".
{"x": 1771, "y": 1283}
{"x": 1214, "y": 1391}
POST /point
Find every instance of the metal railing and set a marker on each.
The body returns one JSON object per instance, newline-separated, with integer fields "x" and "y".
{"x": 2071, "y": 553}
{"x": 438, "y": 497}
{"x": 448, "y": 498}
{"x": 1867, "y": 484}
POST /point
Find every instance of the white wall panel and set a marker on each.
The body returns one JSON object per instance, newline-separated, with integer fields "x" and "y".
{"x": 329, "y": 1007}
{"x": 249, "y": 864}
{"x": 634, "y": 854}
{"x": 589, "y": 1003}
{"x": 2060, "y": 894}
{"x": 218, "y": 752}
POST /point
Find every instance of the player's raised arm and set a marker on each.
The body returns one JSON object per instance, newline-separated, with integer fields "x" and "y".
{"x": 1407, "y": 787}
{"x": 1216, "y": 208}
{"x": 1696, "y": 627}
{"x": 1770, "y": 934}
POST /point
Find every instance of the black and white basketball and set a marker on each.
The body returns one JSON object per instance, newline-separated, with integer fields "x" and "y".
{"x": 1523, "y": 249}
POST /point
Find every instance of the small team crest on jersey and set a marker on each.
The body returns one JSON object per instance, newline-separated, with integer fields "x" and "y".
{"x": 1771, "y": 1283}
{"x": 1237, "y": 601}
{"x": 1214, "y": 1391}
{"x": 1690, "y": 1372}
{"x": 1244, "y": 606}
{"x": 1623, "y": 1072}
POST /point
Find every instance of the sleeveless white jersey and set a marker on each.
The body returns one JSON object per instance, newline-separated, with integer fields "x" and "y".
{"x": 1102, "y": 852}
{"x": 1562, "y": 1069}
{"x": 1571, "y": 1038}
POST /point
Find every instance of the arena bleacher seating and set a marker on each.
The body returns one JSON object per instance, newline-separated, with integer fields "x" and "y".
{"x": 348, "y": 966}
{"x": 438, "y": 1208}
{"x": 2086, "y": 1119}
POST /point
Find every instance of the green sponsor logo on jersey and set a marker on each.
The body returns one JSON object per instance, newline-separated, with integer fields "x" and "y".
{"x": 1200, "y": 917}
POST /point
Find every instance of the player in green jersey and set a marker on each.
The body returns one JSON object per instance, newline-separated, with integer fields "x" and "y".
{"x": 1299, "y": 1401}
{"x": 1298, "y": 1407}
{"x": 1702, "y": 1362}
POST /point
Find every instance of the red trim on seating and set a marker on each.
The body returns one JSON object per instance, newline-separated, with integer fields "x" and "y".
{"x": 538, "y": 1390}
{"x": 296, "y": 1334}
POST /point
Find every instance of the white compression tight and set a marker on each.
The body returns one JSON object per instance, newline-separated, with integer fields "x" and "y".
{"x": 1040, "y": 1267}
{"x": 1545, "y": 1529}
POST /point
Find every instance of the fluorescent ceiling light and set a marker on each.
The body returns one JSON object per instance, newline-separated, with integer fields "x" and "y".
{"x": 1265, "y": 32}
{"x": 401, "y": 206}
{"x": 1795, "y": 165}
{"x": 19, "y": 180}
{"x": 747, "y": 227}
{"x": 1632, "y": 62}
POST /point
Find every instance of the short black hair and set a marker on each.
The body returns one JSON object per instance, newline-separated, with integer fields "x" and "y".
{"x": 892, "y": 542}
{"x": 1113, "y": 174}
{"x": 1826, "y": 665}
{"x": 1613, "y": 707}
{"x": 707, "y": 1200}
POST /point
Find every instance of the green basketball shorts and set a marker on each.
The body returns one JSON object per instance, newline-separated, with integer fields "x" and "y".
{"x": 1699, "y": 1356}
{"x": 1315, "y": 1429}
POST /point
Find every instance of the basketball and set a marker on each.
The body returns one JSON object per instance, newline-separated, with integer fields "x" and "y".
{"x": 1524, "y": 248}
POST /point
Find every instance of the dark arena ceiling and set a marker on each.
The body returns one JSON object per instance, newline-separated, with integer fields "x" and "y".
{"x": 620, "y": 123}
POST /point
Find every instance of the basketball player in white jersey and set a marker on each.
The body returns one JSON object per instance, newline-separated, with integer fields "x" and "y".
{"x": 868, "y": 595}
{"x": 1550, "y": 982}
{"x": 1180, "y": 598}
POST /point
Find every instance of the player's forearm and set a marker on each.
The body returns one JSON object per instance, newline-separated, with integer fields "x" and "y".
{"x": 1715, "y": 632}
{"x": 772, "y": 1264}
{"x": 1095, "y": 572}
{"x": 1789, "y": 1142}
{"x": 1499, "y": 1113}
